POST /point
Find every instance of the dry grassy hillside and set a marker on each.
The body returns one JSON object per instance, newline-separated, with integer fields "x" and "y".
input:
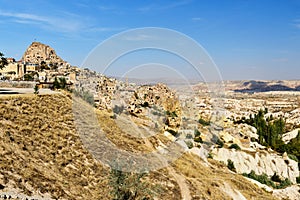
{"x": 41, "y": 153}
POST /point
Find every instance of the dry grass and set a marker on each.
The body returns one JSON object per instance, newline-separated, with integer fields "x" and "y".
{"x": 115, "y": 134}
{"x": 208, "y": 182}
{"x": 40, "y": 150}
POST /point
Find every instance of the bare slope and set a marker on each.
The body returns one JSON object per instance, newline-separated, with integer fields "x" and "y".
{"x": 41, "y": 153}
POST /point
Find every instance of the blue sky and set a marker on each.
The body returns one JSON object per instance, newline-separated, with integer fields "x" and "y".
{"x": 247, "y": 39}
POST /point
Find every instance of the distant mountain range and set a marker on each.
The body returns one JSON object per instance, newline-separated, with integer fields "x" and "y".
{"x": 266, "y": 86}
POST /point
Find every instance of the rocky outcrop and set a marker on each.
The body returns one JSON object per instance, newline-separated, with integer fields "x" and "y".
{"x": 38, "y": 52}
{"x": 240, "y": 134}
{"x": 156, "y": 100}
{"x": 291, "y": 193}
{"x": 260, "y": 162}
{"x": 290, "y": 135}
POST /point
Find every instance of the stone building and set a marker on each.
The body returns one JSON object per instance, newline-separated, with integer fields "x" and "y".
{"x": 13, "y": 70}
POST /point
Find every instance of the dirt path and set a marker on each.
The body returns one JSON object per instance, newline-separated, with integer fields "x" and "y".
{"x": 184, "y": 189}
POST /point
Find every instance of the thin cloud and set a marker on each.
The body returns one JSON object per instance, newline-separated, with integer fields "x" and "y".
{"x": 106, "y": 8}
{"x": 148, "y": 8}
{"x": 175, "y": 4}
{"x": 197, "y": 19}
{"x": 65, "y": 23}
{"x": 105, "y": 29}
{"x": 82, "y": 5}
{"x": 23, "y": 16}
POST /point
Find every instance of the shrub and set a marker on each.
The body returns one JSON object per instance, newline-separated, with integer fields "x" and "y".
{"x": 198, "y": 139}
{"x": 220, "y": 143}
{"x": 203, "y": 122}
{"x": 86, "y": 96}
{"x": 189, "y": 144}
{"x": 235, "y": 146}
{"x": 230, "y": 165}
{"x": 298, "y": 179}
{"x": 283, "y": 184}
{"x": 264, "y": 179}
{"x": 62, "y": 83}
{"x": 293, "y": 157}
{"x": 189, "y": 136}
{"x": 171, "y": 114}
{"x": 129, "y": 185}
{"x": 197, "y": 133}
{"x": 28, "y": 77}
{"x": 174, "y": 133}
{"x": 118, "y": 109}
{"x": 36, "y": 89}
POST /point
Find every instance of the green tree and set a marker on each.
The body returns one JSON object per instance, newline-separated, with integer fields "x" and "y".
{"x": 56, "y": 84}
{"x": 204, "y": 122}
{"x": 197, "y": 133}
{"x": 62, "y": 83}
{"x": 3, "y": 61}
{"x": 59, "y": 83}
{"x": 235, "y": 146}
{"x": 270, "y": 133}
{"x": 36, "y": 89}
{"x": 230, "y": 165}
{"x": 28, "y": 77}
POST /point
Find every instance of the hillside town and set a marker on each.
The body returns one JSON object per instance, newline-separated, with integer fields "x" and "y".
{"x": 41, "y": 64}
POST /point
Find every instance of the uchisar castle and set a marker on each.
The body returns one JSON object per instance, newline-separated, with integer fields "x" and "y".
{"x": 39, "y": 63}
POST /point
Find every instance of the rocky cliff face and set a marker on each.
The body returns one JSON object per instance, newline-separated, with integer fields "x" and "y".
{"x": 38, "y": 52}
{"x": 260, "y": 162}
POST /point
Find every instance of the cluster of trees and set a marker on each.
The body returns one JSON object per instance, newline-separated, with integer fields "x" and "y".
{"x": 274, "y": 182}
{"x": 31, "y": 76}
{"x": 59, "y": 83}
{"x": 270, "y": 131}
